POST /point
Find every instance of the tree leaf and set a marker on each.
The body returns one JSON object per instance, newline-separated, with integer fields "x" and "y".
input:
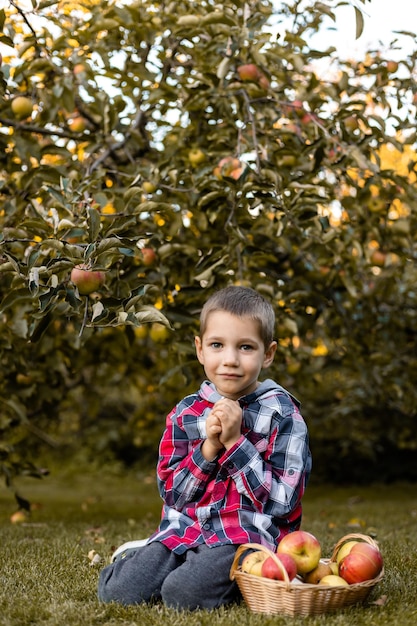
{"x": 359, "y": 22}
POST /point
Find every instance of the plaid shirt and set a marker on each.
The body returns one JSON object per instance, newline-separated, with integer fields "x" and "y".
{"x": 250, "y": 493}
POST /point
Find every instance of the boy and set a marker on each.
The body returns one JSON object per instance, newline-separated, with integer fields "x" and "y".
{"x": 233, "y": 465}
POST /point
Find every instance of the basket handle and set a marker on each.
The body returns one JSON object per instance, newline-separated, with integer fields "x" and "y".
{"x": 259, "y": 547}
{"x": 350, "y": 537}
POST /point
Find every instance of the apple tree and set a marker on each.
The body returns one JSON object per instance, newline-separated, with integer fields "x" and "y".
{"x": 178, "y": 147}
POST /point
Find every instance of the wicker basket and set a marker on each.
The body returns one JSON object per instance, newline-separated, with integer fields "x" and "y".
{"x": 264, "y": 595}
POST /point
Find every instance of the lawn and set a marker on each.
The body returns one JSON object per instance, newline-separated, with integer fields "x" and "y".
{"x": 47, "y": 577}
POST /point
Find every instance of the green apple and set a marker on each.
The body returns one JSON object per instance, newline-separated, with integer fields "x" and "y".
{"x": 22, "y": 107}
{"x": 196, "y": 157}
{"x": 252, "y": 562}
{"x": 333, "y": 581}
{"x": 344, "y": 550}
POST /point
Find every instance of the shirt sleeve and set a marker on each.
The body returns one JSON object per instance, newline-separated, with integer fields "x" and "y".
{"x": 273, "y": 480}
{"x": 182, "y": 471}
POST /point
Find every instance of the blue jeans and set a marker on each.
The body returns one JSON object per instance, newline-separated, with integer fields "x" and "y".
{"x": 197, "y": 579}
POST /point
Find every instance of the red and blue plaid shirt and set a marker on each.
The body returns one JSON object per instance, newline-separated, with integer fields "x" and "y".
{"x": 250, "y": 493}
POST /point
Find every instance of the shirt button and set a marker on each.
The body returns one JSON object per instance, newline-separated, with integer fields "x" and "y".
{"x": 229, "y": 465}
{"x": 206, "y": 526}
{"x": 290, "y": 472}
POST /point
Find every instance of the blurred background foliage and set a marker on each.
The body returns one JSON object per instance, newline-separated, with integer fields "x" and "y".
{"x": 144, "y": 149}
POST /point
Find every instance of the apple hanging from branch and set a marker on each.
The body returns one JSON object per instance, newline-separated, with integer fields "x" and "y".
{"x": 230, "y": 167}
{"x": 148, "y": 256}
{"x": 22, "y": 107}
{"x": 87, "y": 280}
{"x": 249, "y": 72}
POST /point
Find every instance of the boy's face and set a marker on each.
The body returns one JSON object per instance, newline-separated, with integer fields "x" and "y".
{"x": 233, "y": 353}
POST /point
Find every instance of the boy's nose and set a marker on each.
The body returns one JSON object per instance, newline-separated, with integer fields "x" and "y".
{"x": 230, "y": 357}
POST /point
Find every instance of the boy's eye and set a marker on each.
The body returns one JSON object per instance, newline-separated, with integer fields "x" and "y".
{"x": 246, "y": 347}
{"x": 215, "y": 344}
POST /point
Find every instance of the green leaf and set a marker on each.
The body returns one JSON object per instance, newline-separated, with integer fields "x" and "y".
{"x": 93, "y": 223}
{"x": 359, "y": 22}
{"x": 14, "y": 297}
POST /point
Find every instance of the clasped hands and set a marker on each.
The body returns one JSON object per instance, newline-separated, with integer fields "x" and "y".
{"x": 223, "y": 427}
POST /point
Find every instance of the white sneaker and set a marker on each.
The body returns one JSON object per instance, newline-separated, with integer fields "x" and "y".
{"x": 128, "y": 546}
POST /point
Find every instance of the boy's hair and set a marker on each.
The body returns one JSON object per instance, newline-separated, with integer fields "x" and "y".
{"x": 242, "y": 302}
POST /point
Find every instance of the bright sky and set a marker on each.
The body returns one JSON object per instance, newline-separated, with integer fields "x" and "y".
{"x": 381, "y": 17}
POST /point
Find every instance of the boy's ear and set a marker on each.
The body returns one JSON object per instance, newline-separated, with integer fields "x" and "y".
{"x": 270, "y": 353}
{"x": 198, "y": 349}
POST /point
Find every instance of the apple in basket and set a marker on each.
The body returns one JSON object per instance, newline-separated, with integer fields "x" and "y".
{"x": 364, "y": 562}
{"x": 344, "y": 550}
{"x": 323, "y": 569}
{"x": 270, "y": 569}
{"x": 252, "y": 562}
{"x": 303, "y": 547}
{"x": 332, "y": 580}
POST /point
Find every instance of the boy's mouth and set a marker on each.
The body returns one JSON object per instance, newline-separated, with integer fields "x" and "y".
{"x": 231, "y": 376}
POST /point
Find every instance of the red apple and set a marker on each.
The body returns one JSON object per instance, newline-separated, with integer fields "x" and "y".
{"x": 248, "y": 72}
{"x": 263, "y": 82}
{"x": 79, "y": 68}
{"x": 378, "y": 258}
{"x": 148, "y": 256}
{"x": 230, "y": 167}
{"x": 226, "y": 166}
{"x": 364, "y": 562}
{"x": 307, "y": 118}
{"x": 86, "y": 280}
{"x": 298, "y": 108}
{"x": 270, "y": 569}
{"x": 392, "y": 66}
{"x": 303, "y": 547}
{"x": 18, "y": 517}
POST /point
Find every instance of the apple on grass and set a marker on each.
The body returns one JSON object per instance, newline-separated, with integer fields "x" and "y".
{"x": 364, "y": 562}
{"x": 271, "y": 569}
{"x": 303, "y": 547}
{"x": 18, "y": 517}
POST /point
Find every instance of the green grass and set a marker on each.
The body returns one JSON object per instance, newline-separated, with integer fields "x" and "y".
{"x": 46, "y": 578}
